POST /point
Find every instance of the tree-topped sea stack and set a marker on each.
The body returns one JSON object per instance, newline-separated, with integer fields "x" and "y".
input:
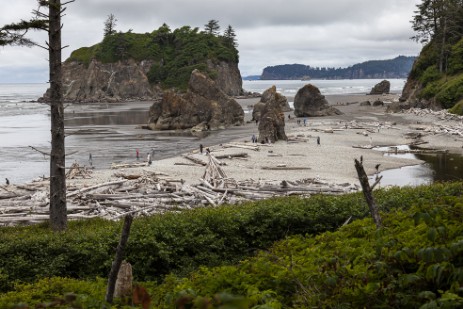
{"x": 309, "y": 102}
{"x": 204, "y": 105}
{"x": 134, "y": 66}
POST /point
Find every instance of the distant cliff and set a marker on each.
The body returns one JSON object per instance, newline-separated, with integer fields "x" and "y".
{"x": 398, "y": 67}
{"x": 132, "y": 66}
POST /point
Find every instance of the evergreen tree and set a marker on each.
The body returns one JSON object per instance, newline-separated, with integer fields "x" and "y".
{"x": 440, "y": 21}
{"x": 15, "y": 34}
{"x": 110, "y": 25}
{"x": 230, "y": 37}
{"x": 212, "y": 27}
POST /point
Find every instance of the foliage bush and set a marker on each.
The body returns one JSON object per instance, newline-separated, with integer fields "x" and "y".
{"x": 178, "y": 243}
{"x": 429, "y": 75}
{"x": 57, "y": 292}
{"x": 426, "y": 59}
{"x": 414, "y": 261}
{"x": 446, "y": 88}
{"x": 456, "y": 58}
{"x": 174, "y": 53}
{"x": 457, "y": 109}
{"x": 451, "y": 91}
{"x": 173, "y": 242}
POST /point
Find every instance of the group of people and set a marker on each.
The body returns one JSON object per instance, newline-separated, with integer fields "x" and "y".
{"x": 149, "y": 157}
{"x": 304, "y": 121}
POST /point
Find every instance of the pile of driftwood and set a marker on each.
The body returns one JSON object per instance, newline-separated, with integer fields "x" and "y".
{"x": 442, "y": 114}
{"x": 447, "y": 129}
{"x": 147, "y": 194}
{"x": 453, "y": 124}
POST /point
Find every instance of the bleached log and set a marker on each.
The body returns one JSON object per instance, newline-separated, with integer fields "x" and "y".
{"x": 233, "y": 155}
{"x": 417, "y": 151}
{"x": 80, "y": 191}
{"x": 363, "y": 146}
{"x": 188, "y": 164}
{"x": 125, "y": 176}
{"x": 195, "y": 160}
{"x": 285, "y": 168}
{"x": 229, "y": 145}
{"x": 127, "y": 165}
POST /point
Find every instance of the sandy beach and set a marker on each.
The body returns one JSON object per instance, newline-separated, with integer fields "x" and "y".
{"x": 300, "y": 157}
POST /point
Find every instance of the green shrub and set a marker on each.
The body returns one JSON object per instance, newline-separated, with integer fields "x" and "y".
{"x": 174, "y": 244}
{"x": 429, "y": 75}
{"x": 451, "y": 91}
{"x": 415, "y": 260}
{"x": 83, "y": 55}
{"x": 182, "y": 242}
{"x": 430, "y": 90}
{"x": 427, "y": 58}
{"x": 456, "y": 58}
{"x": 57, "y": 293}
{"x": 457, "y": 109}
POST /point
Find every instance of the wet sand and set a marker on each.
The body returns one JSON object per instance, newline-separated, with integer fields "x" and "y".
{"x": 300, "y": 157}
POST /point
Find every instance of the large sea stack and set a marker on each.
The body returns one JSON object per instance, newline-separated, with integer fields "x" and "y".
{"x": 204, "y": 105}
{"x": 128, "y": 80}
{"x": 134, "y": 66}
{"x": 309, "y": 102}
{"x": 269, "y": 112}
{"x": 383, "y": 87}
{"x": 274, "y": 98}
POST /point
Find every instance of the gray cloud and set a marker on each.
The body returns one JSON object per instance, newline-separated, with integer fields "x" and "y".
{"x": 314, "y": 32}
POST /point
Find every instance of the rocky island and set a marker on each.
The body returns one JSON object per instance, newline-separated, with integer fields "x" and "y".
{"x": 123, "y": 67}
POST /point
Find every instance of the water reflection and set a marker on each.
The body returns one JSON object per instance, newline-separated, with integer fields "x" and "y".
{"x": 446, "y": 166}
{"x": 437, "y": 167}
{"x": 109, "y": 118}
{"x": 112, "y": 133}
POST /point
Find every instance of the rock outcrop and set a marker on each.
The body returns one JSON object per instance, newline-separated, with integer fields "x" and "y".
{"x": 203, "y": 106}
{"x": 127, "y": 80}
{"x": 309, "y": 102}
{"x": 106, "y": 82}
{"x": 228, "y": 78}
{"x": 382, "y": 87}
{"x": 269, "y": 112}
{"x": 410, "y": 97}
{"x": 273, "y": 97}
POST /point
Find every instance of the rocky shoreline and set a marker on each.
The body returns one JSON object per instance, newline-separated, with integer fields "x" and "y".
{"x": 249, "y": 170}
{"x": 332, "y": 161}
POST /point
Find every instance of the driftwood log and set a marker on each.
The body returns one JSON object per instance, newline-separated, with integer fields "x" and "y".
{"x": 148, "y": 194}
{"x": 368, "y": 192}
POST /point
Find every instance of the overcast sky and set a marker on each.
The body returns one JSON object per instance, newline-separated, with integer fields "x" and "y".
{"x": 324, "y": 33}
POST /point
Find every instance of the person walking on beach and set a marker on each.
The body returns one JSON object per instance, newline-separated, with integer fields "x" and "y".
{"x": 318, "y": 140}
{"x": 305, "y": 121}
{"x": 201, "y": 148}
{"x": 138, "y": 155}
{"x": 254, "y": 138}
{"x": 149, "y": 159}
{"x": 90, "y": 161}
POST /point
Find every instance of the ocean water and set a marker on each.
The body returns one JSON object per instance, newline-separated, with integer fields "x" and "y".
{"x": 289, "y": 88}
